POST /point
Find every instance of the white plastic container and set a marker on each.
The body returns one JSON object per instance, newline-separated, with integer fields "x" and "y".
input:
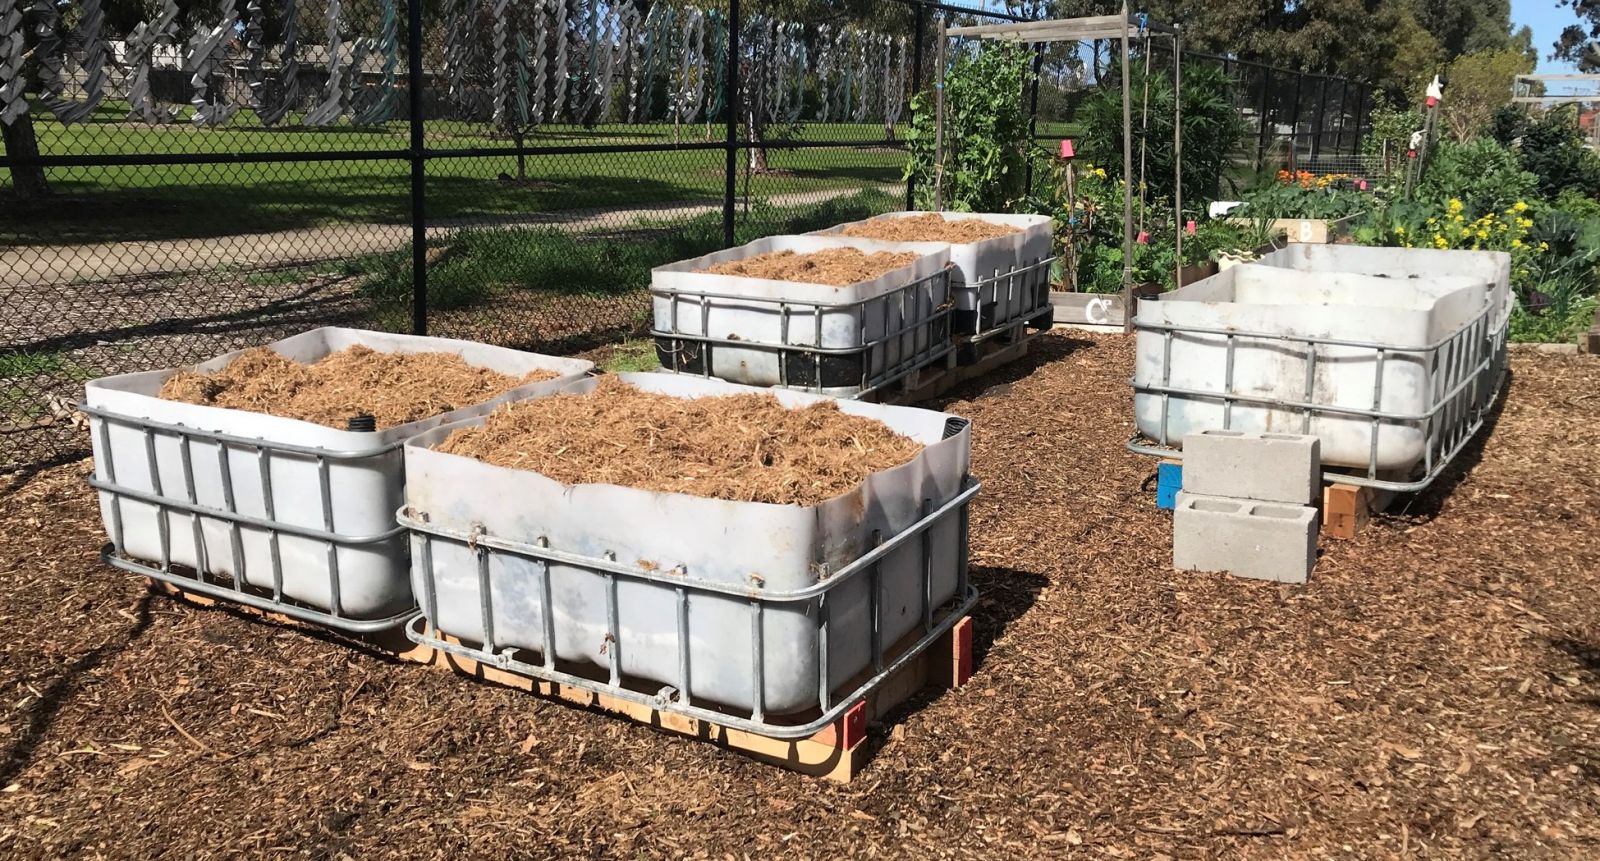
{"x": 985, "y": 298}
{"x": 702, "y": 316}
{"x": 1490, "y": 267}
{"x": 1287, "y": 304}
{"x": 756, "y": 548}
{"x": 362, "y": 492}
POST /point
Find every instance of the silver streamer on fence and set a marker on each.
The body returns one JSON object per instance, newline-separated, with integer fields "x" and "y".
{"x": 207, "y": 51}
{"x": 524, "y": 118}
{"x": 288, "y": 69}
{"x": 50, "y": 56}
{"x": 142, "y": 43}
{"x": 457, "y": 15}
{"x": 12, "y": 86}
{"x": 388, "y": 46}
{"x": 502, "y": 61}
{"x": 558, "y": 99}
{"x": 691, "y": 68}
{"x": 543, "y": 12}
{"x": 94, "y": 66}
{"x": 328, "y": 111}
{"x": 360, "y": 48}
{"x": 894, "y": 93}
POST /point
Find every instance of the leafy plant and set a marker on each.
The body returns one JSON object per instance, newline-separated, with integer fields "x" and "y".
{"x": 985, "y": 133}
{"x": 1552, "y": 149}
{"x": 1548, "y": 328}
{"x": 1485, "y": 176}
{"x": 1383, "y": 150}
{"x": 1211, "y": 129}
{"x": 1306, "y": 196}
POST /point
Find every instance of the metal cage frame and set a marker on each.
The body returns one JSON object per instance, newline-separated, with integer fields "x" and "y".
{"x": 1464, "y": 390}
{"x": 675, "y": 698}
{"x": 233, "y": 587}
{"x": 991, "y": 287}
{"x": 894, "y": 303}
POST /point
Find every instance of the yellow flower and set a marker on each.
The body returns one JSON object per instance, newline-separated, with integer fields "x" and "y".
{"x": 1399, "y": 230}
{"x": 1483, "y": 234}
{"x": 1519, "y": 206}
{"x": 1100, "y": 172}
{"x": 1524, "y": 223}
{"x": 1456, "y": 205}
{"x": 1544, "y": 246}
{"x": 1516, "y": 243}
{"x": 1439, "y": 241}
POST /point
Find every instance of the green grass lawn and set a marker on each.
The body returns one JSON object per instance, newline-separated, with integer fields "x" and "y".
{"x": 151, "y": 202}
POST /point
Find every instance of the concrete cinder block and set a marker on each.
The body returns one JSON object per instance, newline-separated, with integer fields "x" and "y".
{"x": 1270, "y": 467}
{"x": 1262, "y": 540}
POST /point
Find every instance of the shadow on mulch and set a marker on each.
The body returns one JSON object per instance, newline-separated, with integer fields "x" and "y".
{"x": 1042, "y": 351}
{"x": 1426, "y": 504}
{"x": 1004, "y": 595}
{"x": 41, "y": 712}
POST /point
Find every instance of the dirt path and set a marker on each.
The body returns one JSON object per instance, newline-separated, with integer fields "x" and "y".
{"x": 44, "y": 265}
{"x": 1433, "y": 690}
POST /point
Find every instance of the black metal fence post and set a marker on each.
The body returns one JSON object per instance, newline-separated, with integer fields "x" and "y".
{"x": 1033, "y": 116}
{"x": 918, "y": 28}
{"x": 419, "y": 172}
{"x": 1320, "y": 119}
{"x": 731, "y": 96}
{"x": 1264, "y": 116}
{"x": 1294, "y": 123}
{"x": 1361, "y": 118}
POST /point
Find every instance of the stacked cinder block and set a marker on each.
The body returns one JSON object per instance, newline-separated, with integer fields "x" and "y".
{"x": 1247, "y": 505}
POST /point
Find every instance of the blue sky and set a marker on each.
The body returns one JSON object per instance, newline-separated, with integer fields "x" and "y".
{"x": 1547, "y": 20}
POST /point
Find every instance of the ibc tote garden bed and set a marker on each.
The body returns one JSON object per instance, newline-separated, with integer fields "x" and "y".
{"x": 1118, "y": 708}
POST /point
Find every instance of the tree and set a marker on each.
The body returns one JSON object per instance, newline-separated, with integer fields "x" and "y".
{"x": 1580, "y": 43}
{"x": 1479, "y": 84}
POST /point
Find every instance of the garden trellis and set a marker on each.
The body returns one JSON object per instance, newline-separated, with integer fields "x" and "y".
{"x": 1124, "y": 28}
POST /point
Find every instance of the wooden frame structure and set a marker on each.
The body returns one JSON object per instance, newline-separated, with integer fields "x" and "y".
{"x": 1124, "y": 28}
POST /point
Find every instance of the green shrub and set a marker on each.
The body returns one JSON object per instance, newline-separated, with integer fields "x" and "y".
{"x": 1553, "y": 150}
{"x": 986, "y": 134}
{"x": 1485, "y": 176}
{"x": 1211, "y": 129}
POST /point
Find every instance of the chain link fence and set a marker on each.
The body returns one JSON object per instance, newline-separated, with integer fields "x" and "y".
{"x": 178, "y": 181}
{"x": 1292, "y": 120}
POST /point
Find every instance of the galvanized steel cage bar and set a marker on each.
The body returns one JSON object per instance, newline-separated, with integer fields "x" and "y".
{"x": 203, "y": 580}
{"x": 910, "y": 307}
{"x": 675, "y": 698}
{"x": 1465, "y": 372}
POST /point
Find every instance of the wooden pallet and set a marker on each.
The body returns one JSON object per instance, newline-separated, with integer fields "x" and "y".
{"x": 931, "y": 382}
{"x": 392, "y": 642}
{"x": 838, "y": 752}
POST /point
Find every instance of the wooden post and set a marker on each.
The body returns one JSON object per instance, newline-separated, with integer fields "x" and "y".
{"x": 1127, "y": 182}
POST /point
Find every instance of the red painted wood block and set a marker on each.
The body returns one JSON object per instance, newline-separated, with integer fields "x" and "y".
{"x": 961, "y": 652}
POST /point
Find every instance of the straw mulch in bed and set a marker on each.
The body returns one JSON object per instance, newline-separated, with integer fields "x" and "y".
{"x": 745, "y": 447}
{"x": 393, "y": 388}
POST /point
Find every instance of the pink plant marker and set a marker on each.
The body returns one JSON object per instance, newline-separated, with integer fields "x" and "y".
{"x": 1144, "y": 238}
{"x": 1066, "y": 148}
{"x": 1190, "y": 227}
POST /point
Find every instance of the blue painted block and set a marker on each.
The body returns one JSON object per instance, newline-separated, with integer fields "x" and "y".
{"x": 1169, "y": 480}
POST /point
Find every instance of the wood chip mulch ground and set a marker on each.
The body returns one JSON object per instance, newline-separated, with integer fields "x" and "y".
{"x": 1433, "y": 691}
